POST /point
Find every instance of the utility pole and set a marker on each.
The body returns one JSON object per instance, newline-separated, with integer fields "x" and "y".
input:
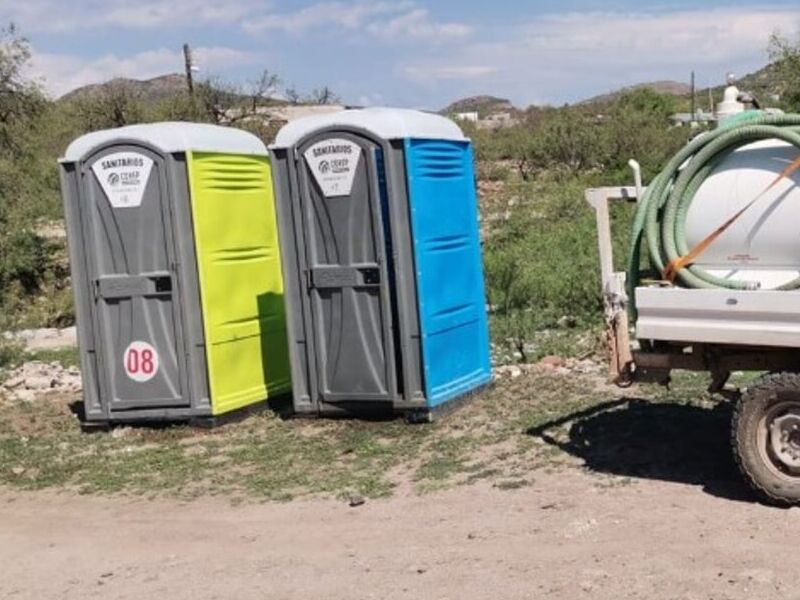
{"x": 694, "y": 100}
{"x": 187, "y": 58}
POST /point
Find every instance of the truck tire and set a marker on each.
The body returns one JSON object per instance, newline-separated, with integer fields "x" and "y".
{"x": 766, "y": 437}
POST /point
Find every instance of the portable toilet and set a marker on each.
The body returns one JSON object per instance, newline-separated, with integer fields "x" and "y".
{"x": 176, "y": 271}
{"x": 380, "y": 244}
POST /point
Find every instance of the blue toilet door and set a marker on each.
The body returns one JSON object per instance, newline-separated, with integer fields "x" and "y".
{"x": 447, "y": 253}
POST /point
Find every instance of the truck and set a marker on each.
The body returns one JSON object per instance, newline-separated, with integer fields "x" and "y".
{"x": 713, "y": 281}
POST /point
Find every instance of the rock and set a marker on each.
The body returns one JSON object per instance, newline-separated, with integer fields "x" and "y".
{"x": 24, "y": 395}
{"x": 356, "y": 500}
{"x": 567, "y": 321}
{"x": 14, "y": 382}
{"x": 121, "y": 432}
{"x": 37, "y": 378}
{"x": 585, "y": 366}
{"x": 512, "y": 371}
{"x": 552, "y": 362}
{"x": 40, "y": 382}
{"x": 18, "y": 471}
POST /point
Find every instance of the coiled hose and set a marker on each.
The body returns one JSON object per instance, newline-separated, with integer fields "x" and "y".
{"x": 660, "y": 219}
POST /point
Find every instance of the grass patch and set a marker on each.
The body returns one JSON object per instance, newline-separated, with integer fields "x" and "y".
{"x": 67, "y": 357}
{"x": 502, "y": 437}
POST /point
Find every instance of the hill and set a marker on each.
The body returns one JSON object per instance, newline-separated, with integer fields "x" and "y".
{"x": 155, "y": 89}
{"x": 766, "y": 84}
{"x": 672, "y": 88}
{"x": 484, "y": 105}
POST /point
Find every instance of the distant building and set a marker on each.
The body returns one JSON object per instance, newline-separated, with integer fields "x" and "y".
{"x": 681, "y": 119}
{"x": 279, "y": 115}
{"x": 471, "y": 116}
{"x": 498, "y": 120}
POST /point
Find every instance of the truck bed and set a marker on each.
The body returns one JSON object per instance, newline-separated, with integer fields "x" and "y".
{"x": 761, "y": 317}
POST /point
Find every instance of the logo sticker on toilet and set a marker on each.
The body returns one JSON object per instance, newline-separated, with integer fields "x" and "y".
{"x": 333, "y": 163}
{"x": 123, "y": 177}
{"x": 141, "y": 361}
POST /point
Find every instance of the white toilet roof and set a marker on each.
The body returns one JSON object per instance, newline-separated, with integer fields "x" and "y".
{"x": 385, "y": 123}
{"x": 171, "y": 137}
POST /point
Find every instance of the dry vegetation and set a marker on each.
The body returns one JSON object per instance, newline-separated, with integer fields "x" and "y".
{"x": 541, "y": 420}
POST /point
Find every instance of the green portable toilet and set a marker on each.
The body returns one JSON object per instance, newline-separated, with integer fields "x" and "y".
{"x": 176, "y": 271}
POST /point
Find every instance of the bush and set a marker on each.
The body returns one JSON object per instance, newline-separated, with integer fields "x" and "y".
{"x": 543, "y": 265}
{"x": 10, "y": 354}
{"x": 28, "y": 183}
{"x": 785, "y": 54}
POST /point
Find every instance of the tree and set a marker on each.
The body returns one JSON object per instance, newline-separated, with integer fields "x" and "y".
{"x": 115, "y": 104}
{"x": 522, "y": 146}
{"x": 217, "y": 101}
{"x": 324, "y": 95}
{"x": 648, "y": 102}
{"x": 293, "y": 95}
{"x": 638, "y": 126}
{"x": 785, "y": 54}
{"x": 263, "y": 89}
{"x": 27, "y": 181}
{"x": 571, "y": 141}
{"x": 220, "y": 102}
{"x": 20, "y": 99}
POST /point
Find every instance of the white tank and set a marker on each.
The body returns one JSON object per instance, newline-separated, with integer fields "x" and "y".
{"x": 763, "y": 246}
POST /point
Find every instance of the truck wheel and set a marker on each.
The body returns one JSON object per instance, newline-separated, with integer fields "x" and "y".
{"x": 766, "y": 437}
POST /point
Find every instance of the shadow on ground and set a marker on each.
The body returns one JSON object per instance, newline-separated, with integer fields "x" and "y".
{"x": 652, "y": 440}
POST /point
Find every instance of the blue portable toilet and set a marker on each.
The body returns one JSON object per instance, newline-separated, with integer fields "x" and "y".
{"x": 380, "y": 242}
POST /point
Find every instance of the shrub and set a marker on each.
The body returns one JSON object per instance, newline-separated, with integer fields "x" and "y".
{"x": 543, "y": 263}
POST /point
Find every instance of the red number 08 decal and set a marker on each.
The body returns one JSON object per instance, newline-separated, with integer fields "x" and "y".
{"x": 140, "y": 361}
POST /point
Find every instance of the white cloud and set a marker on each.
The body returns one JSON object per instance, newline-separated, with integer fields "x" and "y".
{"x": 401, "y": 20}
{"x": 417, "y": 23}
{"x": 571, "y": 55}
{"x": 61, "y": 73}
{"x": 60, "y": 16}
{"x": 703, "y": 35}
{"x": 325, "y": 14}
{"x": 384, "y": 19}
{"x": 426, "y": 73}
{"x": 371, "y": 99}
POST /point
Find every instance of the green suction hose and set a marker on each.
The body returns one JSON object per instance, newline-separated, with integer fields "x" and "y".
{"x": 660, "y": 221}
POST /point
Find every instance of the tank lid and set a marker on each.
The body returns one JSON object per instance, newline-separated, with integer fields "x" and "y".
{"x": 386, "y": 123}
{"x": 170, "y": 137}
{"x": 730, "y": 104}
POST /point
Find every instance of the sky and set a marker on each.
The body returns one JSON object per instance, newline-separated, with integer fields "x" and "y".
{"x": 409, "y": 53}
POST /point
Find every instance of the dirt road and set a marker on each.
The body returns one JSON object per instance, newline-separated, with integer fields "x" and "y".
{"x": 568, "y": 535}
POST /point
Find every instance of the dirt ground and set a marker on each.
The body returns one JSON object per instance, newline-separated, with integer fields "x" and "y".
{"x": 547, "y": 485}
{"x": 567, "y": 535}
